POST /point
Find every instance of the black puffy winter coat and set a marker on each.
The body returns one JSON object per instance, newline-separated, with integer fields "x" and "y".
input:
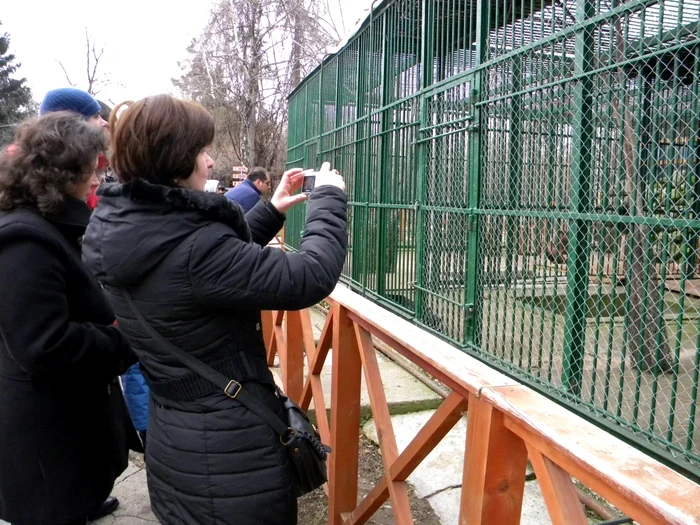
{"x": 63, "y": 422}
{"x": 200, "y": 272}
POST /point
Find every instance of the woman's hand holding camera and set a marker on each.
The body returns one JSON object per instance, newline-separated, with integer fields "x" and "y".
{"x": 285, "y": 196}
{"x": 327, "y": 177}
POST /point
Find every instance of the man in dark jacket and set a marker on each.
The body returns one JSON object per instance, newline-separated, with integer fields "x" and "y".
{"x": 248, "y": 193}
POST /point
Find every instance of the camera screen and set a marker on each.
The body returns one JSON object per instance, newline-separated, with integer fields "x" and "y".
{"x": 308, "y": 184}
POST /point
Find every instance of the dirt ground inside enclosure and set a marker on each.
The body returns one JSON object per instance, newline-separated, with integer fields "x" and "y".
{"x": 313, "y": 508}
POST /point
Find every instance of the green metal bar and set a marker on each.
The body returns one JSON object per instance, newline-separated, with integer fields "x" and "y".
{"x": 385, "y": 154}
{"x": 674, "y": 103}
{"x": 694, "y": 142}
{"x": 321, "y": 118}
{"x": 465, "y": 118}
{"x": 514, "y": 190}
{"x": 432, "y": 138}
{"x": 592, "y": 217}
{"x": 358, "y": 251}
{"x": 640, "y": 186}
{"x": 445, "y": 298}
{"x": 694, "y": 168}
{"x": 694, "y": 393}
{"x": 421, "y": 150}
{"x": 475, "y": 264}
{"x": 381, "y": 205}
{"x": 581, "y": 175}
{"x": 617, "y": 236}
{"x": 660, "y": 337}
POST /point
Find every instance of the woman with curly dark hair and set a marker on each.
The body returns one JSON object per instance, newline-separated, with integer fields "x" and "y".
{"x": 63, "y": 422}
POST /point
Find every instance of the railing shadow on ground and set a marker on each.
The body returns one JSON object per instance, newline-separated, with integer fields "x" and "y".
{"x": 508, "y": 424}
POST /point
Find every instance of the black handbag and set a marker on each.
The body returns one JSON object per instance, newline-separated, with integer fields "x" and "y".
{"x": 307, "y": 453}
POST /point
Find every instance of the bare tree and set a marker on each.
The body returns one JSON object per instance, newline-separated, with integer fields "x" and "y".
{"x": 250, "y": 56}
{"x": 95, "y": 78}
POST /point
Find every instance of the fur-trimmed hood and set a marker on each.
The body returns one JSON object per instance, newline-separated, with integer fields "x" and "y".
{"x": 137, "y": 224}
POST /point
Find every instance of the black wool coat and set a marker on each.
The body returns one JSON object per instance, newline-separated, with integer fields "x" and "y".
{"x": 63, "y": 421}
{"x": 200, "y": 272}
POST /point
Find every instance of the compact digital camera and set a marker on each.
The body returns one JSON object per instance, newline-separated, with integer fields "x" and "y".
{"x": 309, "y": 181}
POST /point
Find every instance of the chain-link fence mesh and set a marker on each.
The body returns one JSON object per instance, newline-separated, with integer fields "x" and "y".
{"x": 524, "y": 180}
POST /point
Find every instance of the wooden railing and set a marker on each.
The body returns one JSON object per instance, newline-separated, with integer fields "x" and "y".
{"x": 508, "y": 423}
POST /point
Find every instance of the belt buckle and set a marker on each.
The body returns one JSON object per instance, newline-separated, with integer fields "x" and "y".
{"x": 228, "y": 387}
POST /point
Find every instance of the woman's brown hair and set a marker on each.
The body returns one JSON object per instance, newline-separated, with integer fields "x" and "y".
{"x": 50, "y": 157}
{"x": 158, "y": 138}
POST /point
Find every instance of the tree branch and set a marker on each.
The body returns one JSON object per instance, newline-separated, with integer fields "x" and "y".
{"x": 65, "y": 73}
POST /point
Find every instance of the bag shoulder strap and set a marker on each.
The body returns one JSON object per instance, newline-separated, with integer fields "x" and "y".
{"x": 230, "y": 387}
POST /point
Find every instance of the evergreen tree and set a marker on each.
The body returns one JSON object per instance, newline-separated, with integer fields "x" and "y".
{"x": 16, "y": 101}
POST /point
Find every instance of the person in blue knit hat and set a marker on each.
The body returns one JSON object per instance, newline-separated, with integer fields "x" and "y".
{"x": 75, "y": 100}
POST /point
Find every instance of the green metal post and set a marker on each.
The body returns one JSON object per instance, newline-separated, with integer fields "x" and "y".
{"x": 321, "y": 114}
{"x": 580, "y": 201}
{"x": 474, "y": 293}
{"x": 421, "y": 150}
{"x": 359, "y": 226}
{"x": 385, "y": 156}
{"x": 515, "y": 174}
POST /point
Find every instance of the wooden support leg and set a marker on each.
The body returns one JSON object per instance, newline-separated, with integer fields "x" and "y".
{"x": 559, "y": 493}
{"x": 494, "y": 469}
{"x": 316, "y": 364}
{"x": 400, "y": 505}
{"x": 278, "y": 344}
{"x": 345, "y": 418}
{"x": 267, "y": 327}
{"x": 423, "y": 444}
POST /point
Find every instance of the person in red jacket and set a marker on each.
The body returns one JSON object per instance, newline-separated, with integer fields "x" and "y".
{"x": 102, "y": 161}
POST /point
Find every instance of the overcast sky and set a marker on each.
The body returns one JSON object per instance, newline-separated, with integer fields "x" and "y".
{"x": 143, "y": 40}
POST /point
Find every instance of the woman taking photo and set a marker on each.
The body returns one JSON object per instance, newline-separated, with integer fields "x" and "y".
{"x": 199, "y": 272}
{"x": 63, "y": 422}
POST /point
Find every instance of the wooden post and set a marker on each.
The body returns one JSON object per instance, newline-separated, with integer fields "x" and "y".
{"x": 345, "y": 418}
{"x": 494, "y": 469}
{"x": 293, "y": 365}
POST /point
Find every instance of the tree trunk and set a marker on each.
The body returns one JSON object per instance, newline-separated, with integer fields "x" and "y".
{"x": 297, "y": 39}
{"x": 251, "y": 44}
{"x": 643, "y": 326}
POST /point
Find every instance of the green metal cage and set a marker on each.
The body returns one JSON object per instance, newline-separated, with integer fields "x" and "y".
{"x": 523, "y": 180}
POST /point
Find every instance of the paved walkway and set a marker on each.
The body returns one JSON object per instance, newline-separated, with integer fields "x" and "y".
{"x": 130, "y": 488}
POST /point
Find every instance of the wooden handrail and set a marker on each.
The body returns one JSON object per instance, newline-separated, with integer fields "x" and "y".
{"x": 508, "y": 423}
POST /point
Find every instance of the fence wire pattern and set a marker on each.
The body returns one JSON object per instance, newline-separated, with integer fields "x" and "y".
{"x": 524, "y": 180}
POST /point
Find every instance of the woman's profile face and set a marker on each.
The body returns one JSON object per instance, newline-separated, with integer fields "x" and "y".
{"x": 198, "y": 179}
{"x": 84, "y": 188}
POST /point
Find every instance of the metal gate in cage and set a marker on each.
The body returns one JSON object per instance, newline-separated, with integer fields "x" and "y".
{"x": 524, "y": 180}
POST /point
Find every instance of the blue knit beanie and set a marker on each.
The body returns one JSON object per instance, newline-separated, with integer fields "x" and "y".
{"x": 69, "y": 99}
